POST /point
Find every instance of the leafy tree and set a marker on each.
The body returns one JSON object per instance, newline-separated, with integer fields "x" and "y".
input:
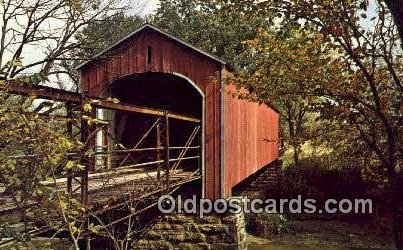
{"x": 47, "y": 29}
{"x": 33, "y": 150}
{"x": 396, "y": 7}
{"x": 209, "y": 25}
{"x": 95, "y": 37}
{"x": 361, "y": 77}
{"x": 283, "y": 64}
{"x": 33, "y": 153}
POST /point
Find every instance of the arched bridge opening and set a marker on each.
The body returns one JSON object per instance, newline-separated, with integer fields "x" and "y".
{"x": 164, "y": 92}
{"x": 166, "y": 140}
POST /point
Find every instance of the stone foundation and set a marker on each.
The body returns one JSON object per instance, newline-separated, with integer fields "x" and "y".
{"x": 192, "y": 232}
{"x": 267, "y": 179}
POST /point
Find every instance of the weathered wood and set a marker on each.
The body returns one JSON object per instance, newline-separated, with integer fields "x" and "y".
{"x": 166, "y": 142}
{"x": 76, "y": 98}
{"x": 20, "y": 88}
{"x": 158, "y": 144}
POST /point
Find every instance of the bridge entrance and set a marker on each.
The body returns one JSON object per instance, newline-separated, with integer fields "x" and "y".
{"x": 142, "y": 140}
{"x": 168, "y": 144}
{"x": 165, "y": 92}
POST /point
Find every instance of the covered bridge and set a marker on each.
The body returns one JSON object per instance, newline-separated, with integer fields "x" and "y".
{"x": 154, "y": 69}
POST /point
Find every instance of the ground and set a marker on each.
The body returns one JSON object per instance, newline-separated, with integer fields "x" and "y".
{"x": 319, "y": 234}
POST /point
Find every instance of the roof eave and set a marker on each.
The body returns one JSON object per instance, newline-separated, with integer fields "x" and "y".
{"x": 97, "y": 56}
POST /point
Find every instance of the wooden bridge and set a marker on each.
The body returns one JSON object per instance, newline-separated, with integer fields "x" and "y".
{"x": 113, "y": 177}
{"x": 154, "y": 115}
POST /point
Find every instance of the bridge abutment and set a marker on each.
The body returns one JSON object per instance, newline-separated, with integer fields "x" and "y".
{"x": 191, "y": 232}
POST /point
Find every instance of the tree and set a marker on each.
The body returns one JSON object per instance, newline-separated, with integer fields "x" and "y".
{"x": 363, "y": 87}
{"x": 33, "y": 154}
{"x": 45, "y": 28}
{"x": 283, "y": 63}
{"x": 36, "y": 38}
{"x": 209, "y": 25}
{"x": 396, "y": 7}
{"x": 94, "y": 38}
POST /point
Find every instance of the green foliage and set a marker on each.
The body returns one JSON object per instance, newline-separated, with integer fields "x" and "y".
{"x": 33, "y": 153}
{"x": 286, "y": 66}
{"x": 209, "y": 25}
{"x": 347, "y": 73}
{"x": 344, "y": 59}
{"x": 310, "y": 151}
{"x": 268, "y": 225}
{"x": 100, "y": 35}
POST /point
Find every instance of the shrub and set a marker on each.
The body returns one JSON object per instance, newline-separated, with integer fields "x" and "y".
{"x": 267, "y": 225}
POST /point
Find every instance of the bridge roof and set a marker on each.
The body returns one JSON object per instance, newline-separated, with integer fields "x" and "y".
{"x": 145, "y": 28}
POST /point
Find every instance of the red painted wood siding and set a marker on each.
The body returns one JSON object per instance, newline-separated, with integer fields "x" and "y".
{"x": 251, "y": 138}
{"x": 247, "y": 125}
{"x": 168, "y": 56}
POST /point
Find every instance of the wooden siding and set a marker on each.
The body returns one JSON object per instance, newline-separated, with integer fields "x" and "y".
{"x": 251, "y": 138}
{"x": 249, "y": 128}
{"x": 168, "y": 56}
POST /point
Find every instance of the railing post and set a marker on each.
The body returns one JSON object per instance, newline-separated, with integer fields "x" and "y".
{"x": 158, "y": 150}
{"x": 109, "y": 143}
{"x": 166, "y": 146}
{"x": 84, "y": 174}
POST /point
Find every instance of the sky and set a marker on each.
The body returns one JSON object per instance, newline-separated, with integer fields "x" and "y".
{"x": 32, "y": 53}
{"x": 150, "y": 6}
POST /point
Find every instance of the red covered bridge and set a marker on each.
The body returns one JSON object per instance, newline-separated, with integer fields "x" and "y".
{"x": 154, "y": 69}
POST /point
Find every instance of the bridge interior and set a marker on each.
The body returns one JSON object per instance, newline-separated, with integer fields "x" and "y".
{"x": 143, "y": 141}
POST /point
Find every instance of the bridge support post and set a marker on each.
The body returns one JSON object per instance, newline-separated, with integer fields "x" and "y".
{"x": 159, "y": 151}
{"x": 83, "y": 161}
{"x": 166, "y": 146}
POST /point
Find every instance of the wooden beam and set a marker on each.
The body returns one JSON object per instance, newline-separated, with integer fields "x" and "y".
{"x": 166, "y": 145}
{"x": 54, "y": 94}
{"x": 158, "y": 144}
{"x": 124, "y": 107}
{"x": 48, "y": 93}
{"x": 184, "y": 118}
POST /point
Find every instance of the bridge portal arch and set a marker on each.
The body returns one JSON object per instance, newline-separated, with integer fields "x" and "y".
{"x": 172, "y": 92}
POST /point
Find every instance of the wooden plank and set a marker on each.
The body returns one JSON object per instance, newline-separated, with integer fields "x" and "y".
{"x": 42, "y": 92}
{"x": 183, "y": 118}
{"x": 72, "y": 97}
{"x": 251, "y": 124}
{"x": 99, "y": 103}
{"x": 168, "y": 57}
{"x": 159, "y": 153}
{"x": 166, "y": 144}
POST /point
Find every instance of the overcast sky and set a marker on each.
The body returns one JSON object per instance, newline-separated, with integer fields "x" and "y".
{"x": 150, "y": 6}
{"x": 32, "y": 53}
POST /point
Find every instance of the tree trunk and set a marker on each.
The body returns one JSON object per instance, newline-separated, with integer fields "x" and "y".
{"x": 296, "y": 154}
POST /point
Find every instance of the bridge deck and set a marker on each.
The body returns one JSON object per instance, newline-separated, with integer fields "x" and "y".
{"x": 124, "y": 191}
{"x": 111, "y": 187}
